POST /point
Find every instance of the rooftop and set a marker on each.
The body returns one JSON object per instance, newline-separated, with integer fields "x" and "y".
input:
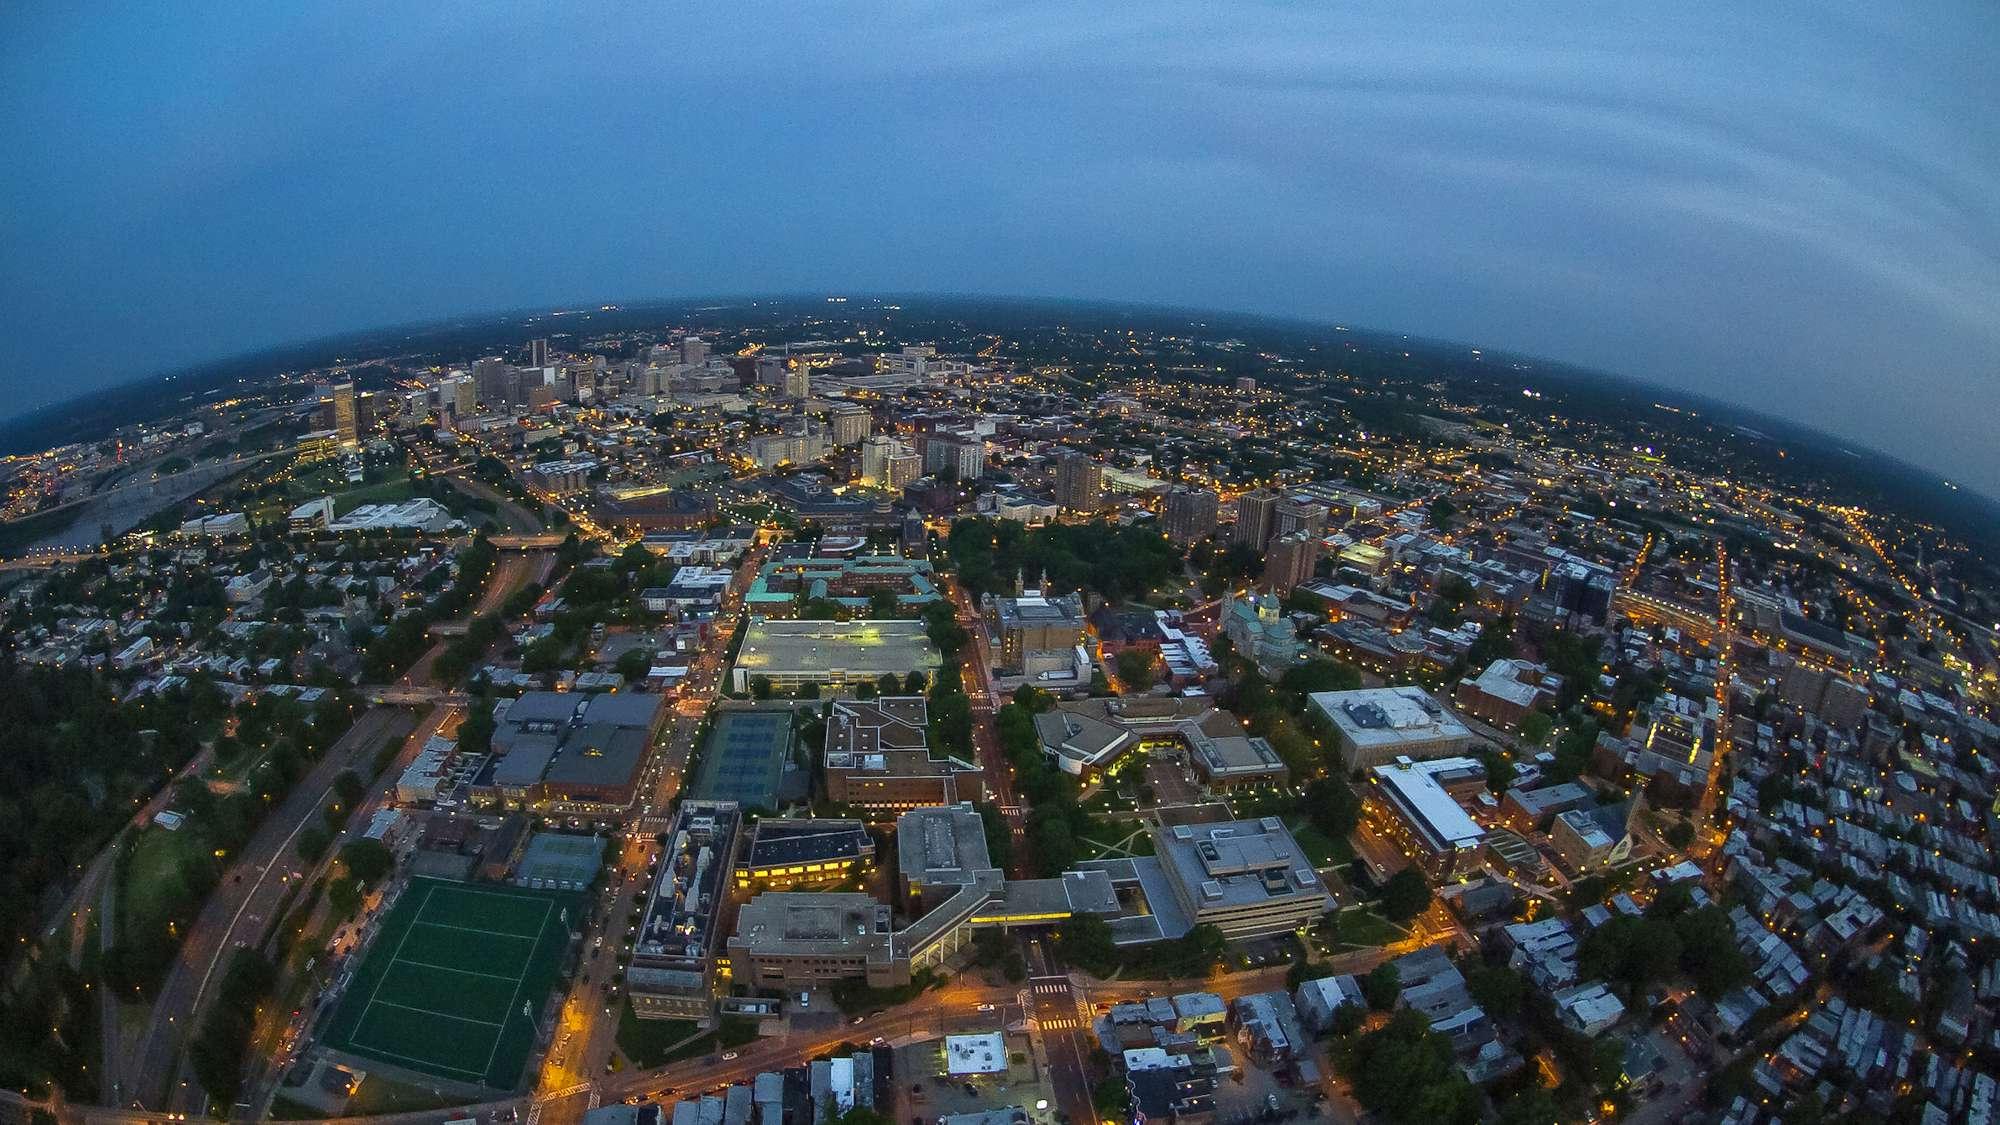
{"x": 1414, "y": 789}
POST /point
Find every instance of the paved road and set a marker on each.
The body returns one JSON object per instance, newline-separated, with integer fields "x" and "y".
{"x": 237, "y": 912}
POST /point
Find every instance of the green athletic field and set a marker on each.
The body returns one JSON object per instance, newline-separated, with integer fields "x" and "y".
{"x": 455, "y": 980}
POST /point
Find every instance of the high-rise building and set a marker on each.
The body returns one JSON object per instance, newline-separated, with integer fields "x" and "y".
{"x": 346, "y": 417}
{"x": 538, "y": 353}
{"x": 1190, "y": 514}
{"x": 849, "y": 422}
{"x": 694, "y": 350}
{"x": 1253, "y": 518}
{"x": 464, "y": 396}
{"x": 495, "y": 380}
{"x": 888, "y": 462}
{"x": 1079, "y": 482}
{"x": 798, "y": 381}
{"x": 963, "y": 456}
{"x": 771, "y": 370}
{"x": 1290, "y": 561}
{"x": 1294, "y": 514}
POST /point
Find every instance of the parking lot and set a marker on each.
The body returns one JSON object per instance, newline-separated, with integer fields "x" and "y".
{"x": 1252, "y": 1094}
{"x": 925, "y": 1094}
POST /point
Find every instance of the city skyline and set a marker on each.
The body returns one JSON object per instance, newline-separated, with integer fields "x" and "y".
{"x": 1782, "y": 213}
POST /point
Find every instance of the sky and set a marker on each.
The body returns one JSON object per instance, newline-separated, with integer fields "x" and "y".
{"x": 1795, "y": 207}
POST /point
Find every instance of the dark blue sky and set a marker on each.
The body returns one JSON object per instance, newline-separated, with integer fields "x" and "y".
{"x": 1793, "y": 206}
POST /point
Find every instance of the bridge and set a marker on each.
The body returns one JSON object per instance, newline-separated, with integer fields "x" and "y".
{"x": 514, "y": 541}
{"x": 404, "y": 696}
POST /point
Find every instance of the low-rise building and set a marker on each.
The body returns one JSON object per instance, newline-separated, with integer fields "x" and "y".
{"x": 832, "y": 654}
{"x": 1247, "y": 878}
{"x": 878, "y": 758}
{"x": 1375, "y": 726}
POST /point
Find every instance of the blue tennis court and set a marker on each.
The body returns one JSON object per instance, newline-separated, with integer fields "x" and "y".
{"x": 745, "y": 757}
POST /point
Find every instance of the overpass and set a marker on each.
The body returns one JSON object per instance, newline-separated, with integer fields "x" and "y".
{"x": 514, "y": 541}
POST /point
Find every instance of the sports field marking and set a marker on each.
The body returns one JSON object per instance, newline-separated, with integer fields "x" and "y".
{"x": 467, "y": 929}
{"x": 420, "y": 1064}
{"x": 456, "y": 969}
{"x": 440, "y": 1015}
{"x": 377, "y": 990}
{"x": 547, "y": 909}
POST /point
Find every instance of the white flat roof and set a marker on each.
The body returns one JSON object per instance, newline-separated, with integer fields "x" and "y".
{"x": 1417, "y": 791}
{"x": 985, "y": 1053}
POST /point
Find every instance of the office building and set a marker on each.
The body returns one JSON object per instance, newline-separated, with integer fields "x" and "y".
{"x": 1190, "y": 514}
{"x": 798, "y": 381}
{"x": 878, "y": 758}
{"x": 1295, "y": 514}
{"x": 673, "y": 969}
{"x": 1079, "y": 482}
{"x": 694, "y": 351}
{"x": 855, "y": 584}
{"x": 1254, "y": 518}
{"x": 962, "y": 457}
{"x": 888, "y": 463}
{"x": 848, "y": 423}
{"x": 1507, "y": 691}
{"x": 833, "y": 654}
{"x": 538, "y": 353}
{"x": 1414, "y": 804}
{"x": 344, "y": 417}
{"x": 1590, "y": 839}
{"x": 1290, "y": 561}
{"x": 458, "y": 396}
{"x": 1085, "y": 737}
{"x": 783, "y": 854}
{"x": 1034, "y": 623}
{"x": 1375, "y": 726}
{"x": 1247, "y": 878}
{"x": 801, "y": 443}
{"x": 947, "y": 882}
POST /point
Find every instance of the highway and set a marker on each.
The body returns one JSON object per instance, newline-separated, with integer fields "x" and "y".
{"x": 238, "y": 911}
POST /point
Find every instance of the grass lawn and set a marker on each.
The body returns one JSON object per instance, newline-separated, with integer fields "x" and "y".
{"x": 394, "y": 490}
{"x": 1321, "y": 849}
{"x": 381, "y": 1095}
{"x": 650, "y": 1043}
{"x": 1364, "y": 929}
{"x": 157, "y": 874}
{"x": 1117, "y": 839}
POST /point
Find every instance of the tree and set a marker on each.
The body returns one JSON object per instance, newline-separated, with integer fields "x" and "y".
{"x": 1332, "y": 806}
{"x": 1136, "y": 668}
{"x": 882, "y": 604}
{"x": 1406, "y": 1072}
{"x": 913, "y": 684}
{"x": 475, "y": 734}
{"x": 1382, "y": 985}
{"x": 312, "y": 843}
{"x": 888, "y": 684}
{"x": 1405, "y": 895}
{"x": 1499, "y": 769}
{"x": 634, "y": 663}
{"x": 367, "y": 861}
{"x": 349, "y": 787}
{"x": 760, "y": 687}
{"x": 1679, "y": 835}
{"x": 344, "y": 896}
{"x": 1631, "y": 951}
{"x": 1441, "y": 512}
{"x": 1499, "y": 990}
{"x": 1536, "y": 727}
{"x": 1347, "y": 1019}
{"x": 1317, "y": 675}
